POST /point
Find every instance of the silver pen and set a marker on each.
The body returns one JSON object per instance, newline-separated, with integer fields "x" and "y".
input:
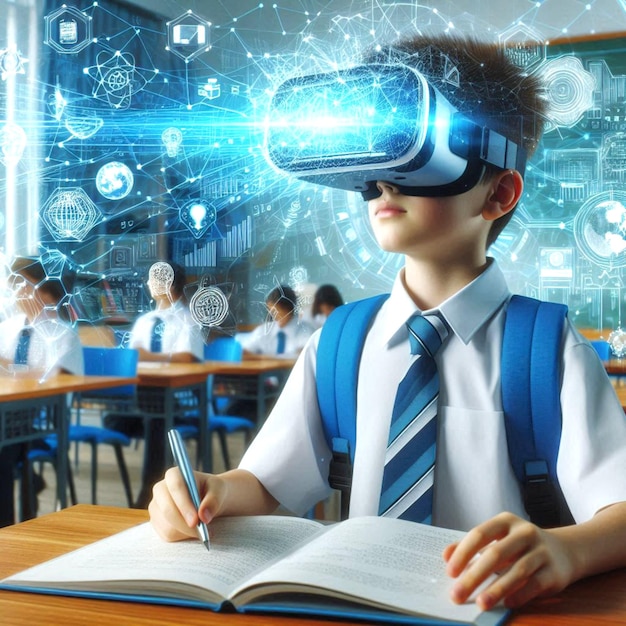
{"x": 182, "y": 460}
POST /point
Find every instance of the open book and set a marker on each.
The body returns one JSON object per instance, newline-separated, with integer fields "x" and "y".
{"x": 367, "y": 568}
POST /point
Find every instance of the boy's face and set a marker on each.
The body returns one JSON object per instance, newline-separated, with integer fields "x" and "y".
{"x": 430, "y": 229}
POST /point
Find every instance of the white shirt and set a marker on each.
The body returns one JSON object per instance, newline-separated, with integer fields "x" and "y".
{"x": 180, "y": 332}
{"x": 54, "y": 345}
{"x": 474, "y": 479}
{"x": 264, "y": 338}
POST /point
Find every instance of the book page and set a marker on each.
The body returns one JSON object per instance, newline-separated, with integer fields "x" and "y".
{"x": 383, "y": 562}
{"x": 138, "y": 561}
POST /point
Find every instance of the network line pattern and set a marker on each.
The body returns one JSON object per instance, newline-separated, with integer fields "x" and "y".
{"x": 151, "y": 124}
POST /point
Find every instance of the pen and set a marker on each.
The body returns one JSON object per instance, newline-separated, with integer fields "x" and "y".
{"x": 182, "y": 460}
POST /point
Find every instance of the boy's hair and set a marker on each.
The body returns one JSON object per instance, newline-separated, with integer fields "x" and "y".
{"x": 482, "y": 82}
{"x": 284, "y": 295}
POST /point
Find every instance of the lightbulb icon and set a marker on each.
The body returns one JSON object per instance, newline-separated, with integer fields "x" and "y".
{"x": 198, "y": 216}
{"x": 172, "y": 138}
{"x": 197, "y": 212}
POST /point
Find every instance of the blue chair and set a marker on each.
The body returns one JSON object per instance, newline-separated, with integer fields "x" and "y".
{"x": 603, "y": 348}
{"x": 220, "y": 424}
{"x": 102, "y": 361}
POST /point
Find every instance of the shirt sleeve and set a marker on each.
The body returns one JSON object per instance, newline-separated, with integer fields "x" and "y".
{"x": 290, "y": 456}
{"x": 592, "y": 456}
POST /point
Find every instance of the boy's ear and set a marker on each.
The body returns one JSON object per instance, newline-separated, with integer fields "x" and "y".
{"x": 506, "y": 191}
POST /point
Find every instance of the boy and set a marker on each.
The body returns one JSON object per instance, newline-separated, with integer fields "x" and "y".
{"x": 444, "y": 240}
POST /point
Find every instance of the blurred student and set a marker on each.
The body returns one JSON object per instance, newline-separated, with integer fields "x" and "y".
{"x": 37, "y": 341}
{"x": 326, "y": 299}
{"x": 284, "y": 335}
{"x": 166, "y": 334}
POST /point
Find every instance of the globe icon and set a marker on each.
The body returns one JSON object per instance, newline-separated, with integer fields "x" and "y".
{"x": 114, "y": 180}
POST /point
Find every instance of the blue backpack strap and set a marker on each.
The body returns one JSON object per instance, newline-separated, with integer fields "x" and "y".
{"x": 531, "y": 386}
{"x": 338, "y": 356}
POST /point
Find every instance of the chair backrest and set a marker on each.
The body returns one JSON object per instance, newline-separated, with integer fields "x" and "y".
{"x": 101, "y": 361}
{"x": 220, "y": 349}
{"x": 223, "y": 349}
{"x": 603, "y": 348}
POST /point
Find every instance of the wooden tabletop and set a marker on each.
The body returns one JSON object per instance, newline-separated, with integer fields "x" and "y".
{"x": 155, "y": 374}
{"x": 598, "y": 601}
{"x": 23, "y": 388}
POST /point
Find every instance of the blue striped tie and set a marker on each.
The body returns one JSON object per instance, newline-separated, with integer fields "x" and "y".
{"x": 407, "y": 490}
{"x": 23, "y": 345}
{"x": 281, "y": 337}
{"x": 156, "y": 339}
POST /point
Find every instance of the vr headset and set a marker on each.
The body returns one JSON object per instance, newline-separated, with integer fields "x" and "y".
{"x": 351, "y": 128}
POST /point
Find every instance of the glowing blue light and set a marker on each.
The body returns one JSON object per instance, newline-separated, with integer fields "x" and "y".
{"x": 114, "y": 180}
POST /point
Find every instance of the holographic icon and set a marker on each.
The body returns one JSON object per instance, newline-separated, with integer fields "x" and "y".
{"x": 57, "y": 104}
{"x": 523, "y": 45}
{"x": 12, "y": 143}
{"x": 160, "y": 278}
{"x": 188, "y": 36}
{"x": 83, "y": 127}
{"x": 172, "y": 139}
{"x": 68, "y": 30}
{"x": 209, "y": 306}
{"x": 569, "y": 89}
{"x": 617, "y": 343}
{"x": 211, "y": 89}
{"x": 116, "y": 78}
{"x": 198, "y": 216}
{"x": 600, "y": 229}
{"x": 69, "y": 214}
{"x": 11, "y": 63}
{"x": 114, "y": 180}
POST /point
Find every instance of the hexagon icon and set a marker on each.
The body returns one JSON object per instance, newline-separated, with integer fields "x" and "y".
{"x": 188, "y": 36}
{"x": 68, "y": 30}
{"x": 523, "y": 45}
{"x": 69, "y": 214}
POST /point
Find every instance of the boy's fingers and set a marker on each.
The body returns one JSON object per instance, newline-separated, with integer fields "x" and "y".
{"x": 179, "y": 494}
{"x": 165, "y": 516}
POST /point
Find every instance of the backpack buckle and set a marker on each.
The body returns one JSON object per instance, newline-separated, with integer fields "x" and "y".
{"x": 540, "y": 495}
{"x": 340, "y": 473}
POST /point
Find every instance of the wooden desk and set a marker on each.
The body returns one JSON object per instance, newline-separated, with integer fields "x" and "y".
{"x": 251, "y": 377}
{"x": 160, "y": 382}
{"x": 599, "y": 601}
{"x": 615, "y": 367}
{"x": 159, "y": 385}
{"x": 22, "y": 400}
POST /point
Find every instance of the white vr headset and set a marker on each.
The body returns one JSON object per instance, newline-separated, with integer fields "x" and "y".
{"x": 351, "y": 128}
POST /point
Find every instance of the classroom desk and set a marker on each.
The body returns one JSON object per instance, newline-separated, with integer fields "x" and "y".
{"x": 599, "y": 600}
{"x": 159, "y": 383}
{"x": 22, "y": 400}
{"x": 248, "y": 379}
{"x": 157, "y": 390}
{"x": 615, "y": 367}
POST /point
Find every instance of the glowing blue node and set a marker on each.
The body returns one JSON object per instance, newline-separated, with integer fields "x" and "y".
{"x": 114, "y": 180}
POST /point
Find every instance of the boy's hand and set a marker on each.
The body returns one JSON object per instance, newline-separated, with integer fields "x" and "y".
{"x": 531, "y": 562}
{"x": 172, "y": 512}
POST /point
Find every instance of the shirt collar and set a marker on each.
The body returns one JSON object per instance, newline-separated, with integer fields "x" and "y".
{"x": 464, "y": 312}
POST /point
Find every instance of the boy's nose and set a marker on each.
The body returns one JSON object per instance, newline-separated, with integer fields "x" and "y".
{"x": 384, "y": 186}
